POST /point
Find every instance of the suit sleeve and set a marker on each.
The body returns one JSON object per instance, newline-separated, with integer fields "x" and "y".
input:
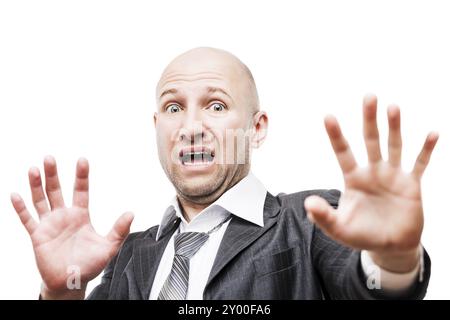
{"x": 105, "y": 290}
{"x": 101, "y": 291}
{"x": 340, "y": 272}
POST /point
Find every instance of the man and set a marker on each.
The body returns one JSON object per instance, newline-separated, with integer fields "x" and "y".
{"x": 224, "y": 236}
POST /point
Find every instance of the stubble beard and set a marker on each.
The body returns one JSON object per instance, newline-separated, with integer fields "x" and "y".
{"x": 206, "y": 191}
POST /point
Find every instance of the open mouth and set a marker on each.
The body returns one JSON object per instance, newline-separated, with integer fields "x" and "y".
{"x": 195, "y": 156}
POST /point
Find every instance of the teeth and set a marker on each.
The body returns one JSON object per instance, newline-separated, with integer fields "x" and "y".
{"x": 198, "y": 156}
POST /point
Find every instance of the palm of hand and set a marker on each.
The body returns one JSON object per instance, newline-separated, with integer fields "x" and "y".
{"x": 67, "y": 241}
{"x": 381, "y": 208}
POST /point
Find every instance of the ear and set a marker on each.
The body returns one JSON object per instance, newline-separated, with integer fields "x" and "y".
{"x": 155, "y": 116}
{"x": 260, "y": 126}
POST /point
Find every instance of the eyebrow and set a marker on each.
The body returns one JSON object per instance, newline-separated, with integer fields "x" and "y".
{"x": 216, "y": 89}
{"x": 168, "y": 91}
{"x": 208, "y": 89}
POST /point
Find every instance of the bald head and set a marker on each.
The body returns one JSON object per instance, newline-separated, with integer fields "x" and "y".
{"x": 214, "y": 64}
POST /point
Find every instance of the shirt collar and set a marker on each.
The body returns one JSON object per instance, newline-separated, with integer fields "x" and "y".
{"x": 245, "y": 200}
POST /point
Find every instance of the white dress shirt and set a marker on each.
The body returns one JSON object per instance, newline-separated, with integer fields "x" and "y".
{"x": 245, "y": 200}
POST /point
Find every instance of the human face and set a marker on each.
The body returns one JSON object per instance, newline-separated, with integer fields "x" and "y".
{"x": 204, "y": 127}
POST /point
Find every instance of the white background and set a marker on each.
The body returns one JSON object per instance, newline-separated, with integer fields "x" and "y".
{"x": 77, "y": 79}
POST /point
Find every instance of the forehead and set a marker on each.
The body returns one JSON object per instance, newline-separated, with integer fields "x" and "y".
{"x": 201, "y": 72}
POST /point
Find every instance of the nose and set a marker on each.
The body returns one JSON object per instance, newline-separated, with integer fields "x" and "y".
{"x": 193, "y": 129}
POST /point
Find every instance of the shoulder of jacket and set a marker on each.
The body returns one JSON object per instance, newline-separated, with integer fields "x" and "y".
{"x": 149, "y": 233}
{"x": 297, "y": 198}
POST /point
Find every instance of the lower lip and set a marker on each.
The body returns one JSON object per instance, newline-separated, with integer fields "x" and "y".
{"x": 197, "y": 166}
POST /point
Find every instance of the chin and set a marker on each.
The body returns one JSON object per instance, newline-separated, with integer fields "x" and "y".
{"x": 197, "y": 185}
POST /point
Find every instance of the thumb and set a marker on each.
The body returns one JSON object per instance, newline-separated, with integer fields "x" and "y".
{"x": 320, "y": 212}
{"x": 121, "y": 228}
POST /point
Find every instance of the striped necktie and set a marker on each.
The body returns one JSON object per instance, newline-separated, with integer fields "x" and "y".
{"x": 186, "y": 245}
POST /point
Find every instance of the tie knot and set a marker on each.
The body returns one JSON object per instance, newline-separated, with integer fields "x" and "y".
{"x": 188, "y": 243}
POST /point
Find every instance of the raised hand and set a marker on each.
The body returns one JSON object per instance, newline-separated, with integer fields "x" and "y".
{"x": 381, "y": 208}
{"x": 64, "y": 240}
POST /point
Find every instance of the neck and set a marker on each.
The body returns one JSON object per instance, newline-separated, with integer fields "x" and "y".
{"x": 191, "y": 209}
{"x": 192, "y": 206}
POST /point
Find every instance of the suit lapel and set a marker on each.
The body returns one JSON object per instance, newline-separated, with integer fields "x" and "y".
{"x": 240, "y": 234}
{"x": 147, "y": 254}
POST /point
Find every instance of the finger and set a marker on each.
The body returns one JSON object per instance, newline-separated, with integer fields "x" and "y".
{"x": 37, "y": 192}
{"x": 25, "y": 217}
{"x": 371, "y": 136}
{"x": 320, "y": 212}
{"x": 341, "y": 148}
{"x": 81, "y": 187}
{"x": 121, "y": 229}
{"x": 52, "y": 187}
{"x": 425, "y": 154}
{"x": 395, "y": 137}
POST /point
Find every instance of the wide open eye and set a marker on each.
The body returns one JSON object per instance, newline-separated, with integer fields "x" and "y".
{"x": 172, "y": 108}
{"x": 217, "y": 107}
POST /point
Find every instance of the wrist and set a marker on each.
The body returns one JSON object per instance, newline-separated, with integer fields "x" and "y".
{"x": 397, "y": 262}
{"x": 67, "y": 294}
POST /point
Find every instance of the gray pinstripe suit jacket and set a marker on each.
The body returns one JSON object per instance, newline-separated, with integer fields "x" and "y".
{"x": 288, "y": 258}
